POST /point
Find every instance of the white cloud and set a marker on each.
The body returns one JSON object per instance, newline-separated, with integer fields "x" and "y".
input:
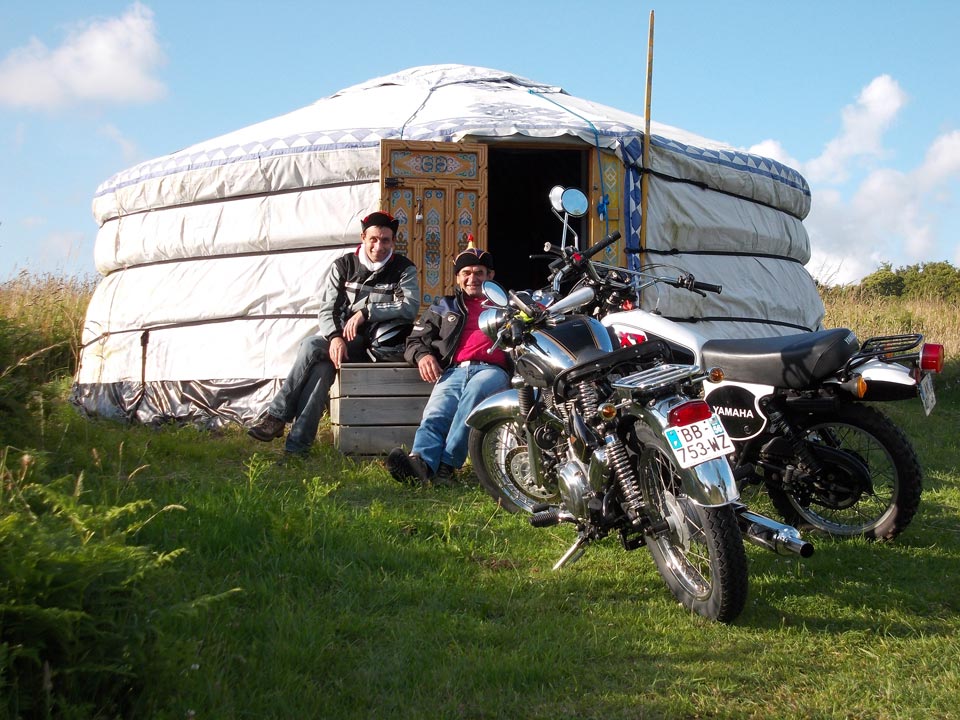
{"x": 885, "y": 220}
{"x": 942, "y": 161}
{"x": 886, "y": 215}
{"x": 840, "y": 249}
{"x": 127, "y": 147}
{"x": 773, "y": 149}
{"x": 111, "y": 60}
{"x": 33, "y": 221}
{"x": 864, "y": 124}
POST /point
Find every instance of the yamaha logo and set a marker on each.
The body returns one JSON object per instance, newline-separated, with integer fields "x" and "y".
{"x": 737, "y": 409}
{"x": 734, "y": 412}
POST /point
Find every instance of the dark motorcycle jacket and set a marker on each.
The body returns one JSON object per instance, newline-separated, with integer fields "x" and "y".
{"x": 438, "y": 331}
{"x": 392, "y": 292}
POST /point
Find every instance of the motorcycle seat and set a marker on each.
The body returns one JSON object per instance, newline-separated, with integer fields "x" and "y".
{"x": 790, "y": 361}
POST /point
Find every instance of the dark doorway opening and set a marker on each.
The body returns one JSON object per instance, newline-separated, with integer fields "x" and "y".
{"x": 519, "y": 219}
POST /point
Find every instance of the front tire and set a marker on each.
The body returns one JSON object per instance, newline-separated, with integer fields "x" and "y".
{"x": 698, "y": 550}
{"x": 873, "y": 448}
{"x": 500, "y": 457}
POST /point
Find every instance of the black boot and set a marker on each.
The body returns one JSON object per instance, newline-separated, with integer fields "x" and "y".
{"x": 269, "y": 428}
{"x": 408, "y": 468}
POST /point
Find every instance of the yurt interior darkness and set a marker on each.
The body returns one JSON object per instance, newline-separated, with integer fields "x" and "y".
{"x": 518, "y": 210}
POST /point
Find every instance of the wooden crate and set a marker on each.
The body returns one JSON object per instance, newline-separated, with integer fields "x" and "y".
{"x": 376, "y": 407}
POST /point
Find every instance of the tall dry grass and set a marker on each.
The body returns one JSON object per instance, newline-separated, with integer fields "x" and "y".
{"x": 937, "y": 320}
{"x": 41, "y": 319}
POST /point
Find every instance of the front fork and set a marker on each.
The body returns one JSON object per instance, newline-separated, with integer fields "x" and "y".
{"x": 526, "y": 400}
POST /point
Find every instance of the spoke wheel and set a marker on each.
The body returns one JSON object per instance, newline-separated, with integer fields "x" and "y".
{"x": 500, "y": 457}
{"x": 871, "y": 483}
{"x": 698, "y": 551}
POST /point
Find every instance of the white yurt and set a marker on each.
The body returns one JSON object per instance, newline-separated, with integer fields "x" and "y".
{"x": 212, "y": 256}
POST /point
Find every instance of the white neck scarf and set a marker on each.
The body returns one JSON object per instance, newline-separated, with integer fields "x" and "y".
{"x": 370, "y": 264}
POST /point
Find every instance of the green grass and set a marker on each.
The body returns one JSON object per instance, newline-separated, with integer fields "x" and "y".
{"x": 325, "y": 589}
{"x": 358, "y": 597}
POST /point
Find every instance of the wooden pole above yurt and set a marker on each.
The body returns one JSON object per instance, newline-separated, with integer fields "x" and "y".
{"x": 645, "y": 165}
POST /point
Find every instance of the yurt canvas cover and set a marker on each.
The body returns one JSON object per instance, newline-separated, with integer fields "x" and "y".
{"x": 212, "y": 256}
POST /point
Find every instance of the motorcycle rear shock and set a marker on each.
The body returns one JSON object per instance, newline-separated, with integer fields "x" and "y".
{"x": 780, "y": 423}
{"x": 626, "y": 478}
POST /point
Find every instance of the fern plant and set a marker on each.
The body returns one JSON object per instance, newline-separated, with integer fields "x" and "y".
{"x": 78, "y": 609}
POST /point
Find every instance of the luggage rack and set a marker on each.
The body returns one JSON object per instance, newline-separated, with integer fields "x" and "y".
{"x": 656, "y": 377}
{"x": 887, "y": 348}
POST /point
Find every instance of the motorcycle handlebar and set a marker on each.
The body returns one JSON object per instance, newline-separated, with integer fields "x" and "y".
{"x": 709, "y": 287}
{"x": 607, "y": 241}
{"x": 573, "y": 260}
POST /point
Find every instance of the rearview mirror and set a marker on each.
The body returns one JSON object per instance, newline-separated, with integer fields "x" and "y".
{"x": 574, "y": 202}
{"x": 495, "y": 294}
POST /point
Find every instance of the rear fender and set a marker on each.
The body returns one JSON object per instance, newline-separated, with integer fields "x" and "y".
{"x": 709, "y": 484}
{"x": 885, "y": 372}
{"x": 885, "y": 381}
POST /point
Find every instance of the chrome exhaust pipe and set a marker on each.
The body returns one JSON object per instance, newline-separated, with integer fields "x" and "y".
{"x": 772, "y": 535}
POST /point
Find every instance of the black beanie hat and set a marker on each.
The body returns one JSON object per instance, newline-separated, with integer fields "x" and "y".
{"x": 380, "y": 219}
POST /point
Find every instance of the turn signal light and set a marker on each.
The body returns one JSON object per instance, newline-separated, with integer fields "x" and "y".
{"x": 931, "y": 357}
{"x": 856, "y": 386}
{"x": 688, "y": 413}
{"x": 715, "y": 375}
{"x": 608, "y": 411}
{"x": 627, "y": 305}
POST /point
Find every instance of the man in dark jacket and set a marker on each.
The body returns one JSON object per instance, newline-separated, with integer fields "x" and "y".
{"x": 367, "y": 303}
{"x": 451, "y": 351}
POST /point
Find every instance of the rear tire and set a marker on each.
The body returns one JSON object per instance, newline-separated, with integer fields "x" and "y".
{"x": 499, "y": 454}
{"x": 698, "y": 550}
{"x": 873, "y": 443}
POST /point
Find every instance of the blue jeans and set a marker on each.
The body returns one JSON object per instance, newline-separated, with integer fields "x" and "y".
{"x": 305, "y": 392}
{"x": 443, "y": 432}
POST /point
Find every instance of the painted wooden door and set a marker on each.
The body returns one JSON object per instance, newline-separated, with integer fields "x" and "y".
{"x": 438, "y": 192}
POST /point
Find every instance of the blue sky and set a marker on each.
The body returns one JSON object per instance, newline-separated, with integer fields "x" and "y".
{"x": 859, "y": 96}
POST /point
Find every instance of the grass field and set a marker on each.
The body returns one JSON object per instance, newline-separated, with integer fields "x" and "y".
{"x": 325, "y": 589}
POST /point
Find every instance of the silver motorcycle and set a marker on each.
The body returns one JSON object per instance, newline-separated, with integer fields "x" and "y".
{"x": 796, "y": 407}
{"x": 609, "y": 441}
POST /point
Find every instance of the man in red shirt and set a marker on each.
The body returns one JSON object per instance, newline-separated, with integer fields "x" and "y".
{"x": 452, "y": 352}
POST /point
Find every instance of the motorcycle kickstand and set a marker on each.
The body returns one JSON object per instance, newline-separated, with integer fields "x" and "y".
{"x": 574, "y": 553}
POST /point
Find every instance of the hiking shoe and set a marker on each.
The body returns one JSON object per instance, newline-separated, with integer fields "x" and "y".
{"x": 407, "y": 468}
{"x": 446, "y": 475}
{"x": 269, "y": 428}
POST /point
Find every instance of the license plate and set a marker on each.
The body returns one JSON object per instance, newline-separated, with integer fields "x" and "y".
{"x": 699, "y": 442}
{"x": 927, "y": 396}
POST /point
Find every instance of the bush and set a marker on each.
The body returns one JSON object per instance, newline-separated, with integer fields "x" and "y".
{"x": 883, "y": 283}
{"x": 78, "y": 607}
{"x": 932, "y": 280}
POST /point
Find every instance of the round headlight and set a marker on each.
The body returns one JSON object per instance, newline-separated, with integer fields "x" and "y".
{"x": 491, "y": 320}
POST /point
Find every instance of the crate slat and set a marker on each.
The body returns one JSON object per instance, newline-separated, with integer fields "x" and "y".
{"x": 372, "y": 440}
{"x": 378, "y": 379}
{"x": 376, "y": 407}
{"x": 401, "y": 410}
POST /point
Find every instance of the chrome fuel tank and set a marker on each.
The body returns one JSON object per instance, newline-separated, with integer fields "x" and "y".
{"x": 550, "y": 350}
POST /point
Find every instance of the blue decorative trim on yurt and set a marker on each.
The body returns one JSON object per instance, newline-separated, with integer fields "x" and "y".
{"x": 536, "y": 124}
{"x": 632, "y": 152}
{"x": 631, "y": 191}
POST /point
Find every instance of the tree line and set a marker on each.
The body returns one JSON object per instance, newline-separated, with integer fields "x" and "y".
{"x": 930, "y": 280}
